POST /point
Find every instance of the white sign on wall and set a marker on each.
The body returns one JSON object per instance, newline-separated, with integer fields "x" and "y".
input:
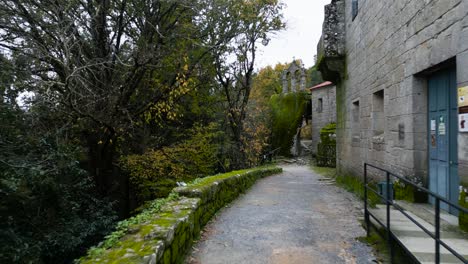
{"x": 463, "y": 122}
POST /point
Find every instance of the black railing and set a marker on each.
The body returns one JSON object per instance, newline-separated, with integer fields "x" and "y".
{"x": 389, "y": 202}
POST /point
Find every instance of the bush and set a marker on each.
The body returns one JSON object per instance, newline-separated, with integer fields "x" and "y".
{"x": 326, "y": 149}
{"x": 155, "y": 173}
{"x": 48, "y": 211}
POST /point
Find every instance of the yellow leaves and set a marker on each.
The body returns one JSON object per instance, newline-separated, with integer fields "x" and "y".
{"x": 169, "y": 108}
{"x": 186, "y": 160}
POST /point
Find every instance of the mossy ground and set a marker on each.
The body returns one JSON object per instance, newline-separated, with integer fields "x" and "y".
{"x": 377, "y": 240}
{"x": 349, "y": 183}
{"x": 324, "y": 171}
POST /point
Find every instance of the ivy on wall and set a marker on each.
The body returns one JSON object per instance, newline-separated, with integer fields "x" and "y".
{"x": 287, "y": 111}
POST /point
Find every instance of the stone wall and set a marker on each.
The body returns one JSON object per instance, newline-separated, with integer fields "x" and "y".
{"x": 324, "y": 117}
{"x": 168, "y": 235}
{"x": 387, "y": 45}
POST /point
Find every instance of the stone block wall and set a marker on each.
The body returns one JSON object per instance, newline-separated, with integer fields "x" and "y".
{"x": 324, "y": 117}
{"x": 168, "y": 235}
{"x": 387, "y": 45}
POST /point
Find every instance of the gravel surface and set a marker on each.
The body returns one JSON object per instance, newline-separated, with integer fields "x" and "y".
{"x": 294, "y": 217}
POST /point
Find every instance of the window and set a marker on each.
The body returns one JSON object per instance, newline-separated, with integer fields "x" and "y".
{"x": 355, "y": 123}
{"x": 320, "y": 105}
{"x": 355, "y": 112}
{"x": 378, "y": 115}
{"x": 355, "y": 8}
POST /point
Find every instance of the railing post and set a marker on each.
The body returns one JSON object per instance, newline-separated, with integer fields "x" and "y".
{"x": 366, "y": 213}
{"x": 437, "y": 230}
{"x": 389, "y": 233}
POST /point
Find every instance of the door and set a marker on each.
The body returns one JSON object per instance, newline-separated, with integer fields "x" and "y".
{"x": 443, "y": 132}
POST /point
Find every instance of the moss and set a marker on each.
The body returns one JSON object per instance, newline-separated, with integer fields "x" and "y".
{"x": 408, "y": 193}
{"x": 377, "y": 240}
{"x": 167, "y": 257}
{"x": 165, "y": 214}
{"x": 463, "y": 217}
{"x": 326, "y": 132}
{"x": 324, "y": 171}
{"x": 349, "y": 183}
{"x": 356, "y": 186}
{"x": 204, "y": 182}
{"x": 116, "y": 255}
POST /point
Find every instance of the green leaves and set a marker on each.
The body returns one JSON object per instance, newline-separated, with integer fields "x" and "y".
{"x": 287, "y": 112}
{"x": 154, "y": 173}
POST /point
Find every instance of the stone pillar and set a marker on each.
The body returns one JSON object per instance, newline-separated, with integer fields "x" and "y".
{"x": 303, "y": 80}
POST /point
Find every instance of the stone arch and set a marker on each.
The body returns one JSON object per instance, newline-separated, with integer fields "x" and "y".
{"x": 294, "y": 77}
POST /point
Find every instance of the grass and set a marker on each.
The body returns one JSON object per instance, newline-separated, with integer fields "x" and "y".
{"x": 350, "y": 183}
{"x": 377, "y": 240}
{"x": 324, "y": 171}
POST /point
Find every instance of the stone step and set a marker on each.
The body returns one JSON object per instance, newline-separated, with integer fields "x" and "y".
{"x": 420, "y": 244}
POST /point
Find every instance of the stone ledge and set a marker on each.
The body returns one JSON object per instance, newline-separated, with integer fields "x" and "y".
{"x": 217, "y": 191}
{"x": 167, "y": 237}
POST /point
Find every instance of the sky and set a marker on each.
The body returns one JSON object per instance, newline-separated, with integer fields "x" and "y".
{"x": 299, "y": 40}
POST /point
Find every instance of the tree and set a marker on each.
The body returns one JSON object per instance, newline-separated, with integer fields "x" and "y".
{"x": 109, "y": 79}
{"x": 256, "y": 20}
{"x": 314, "y": 77}
{"x": 112, "y": 66}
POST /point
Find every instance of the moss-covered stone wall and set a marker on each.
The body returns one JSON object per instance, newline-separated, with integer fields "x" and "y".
{"x": 217, "y": 191}
{"x": 167, "y": 235}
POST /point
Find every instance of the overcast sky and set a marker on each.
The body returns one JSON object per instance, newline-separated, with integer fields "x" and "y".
{"x": 303, "y": 30}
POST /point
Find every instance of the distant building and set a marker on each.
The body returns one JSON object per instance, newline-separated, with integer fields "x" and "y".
{"x": 294, "y": 77}
{"x": 323, "y": 98}
{"x": 398, "y": 66}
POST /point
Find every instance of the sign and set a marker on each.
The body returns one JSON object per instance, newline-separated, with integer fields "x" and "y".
{"x": 442, "y": 128}
{"x": 463, "y": 122}
{"x": 463, "y": 96}
{"x": 433, "y": 125}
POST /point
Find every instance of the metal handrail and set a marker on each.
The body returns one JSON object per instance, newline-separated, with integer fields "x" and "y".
{"x": 434, "y": 235}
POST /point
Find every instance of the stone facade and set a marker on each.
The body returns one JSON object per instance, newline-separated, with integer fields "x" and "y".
{"x": 380, "y": 61}
{"x": 323, "y": 110}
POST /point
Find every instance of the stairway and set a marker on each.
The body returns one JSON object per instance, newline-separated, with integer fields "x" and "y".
{"x": 421, "y": 245}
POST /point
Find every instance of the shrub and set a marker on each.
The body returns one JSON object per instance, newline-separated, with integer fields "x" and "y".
{"x": 48, "y": 211}
{"x": 154, "y": 174}
{"x": 326, "y": 149}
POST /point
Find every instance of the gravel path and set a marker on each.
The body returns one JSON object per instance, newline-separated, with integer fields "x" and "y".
{"x": 294, "y": 217}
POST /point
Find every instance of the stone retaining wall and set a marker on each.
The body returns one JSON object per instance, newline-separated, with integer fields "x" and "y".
{"x": 167, "y": 237}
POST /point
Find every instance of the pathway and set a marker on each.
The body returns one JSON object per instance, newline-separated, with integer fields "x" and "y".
{"x": 294, "y": 217}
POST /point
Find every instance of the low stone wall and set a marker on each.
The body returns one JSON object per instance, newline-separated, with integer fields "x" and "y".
{"x": 216, "y": 191}
{"x": 167, "y": 237}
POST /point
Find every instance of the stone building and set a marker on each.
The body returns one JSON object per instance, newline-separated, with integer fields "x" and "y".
{"x": 323, "y": 97}
{"x": 295, "y": 74}
{"x": 398, "y": 66}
